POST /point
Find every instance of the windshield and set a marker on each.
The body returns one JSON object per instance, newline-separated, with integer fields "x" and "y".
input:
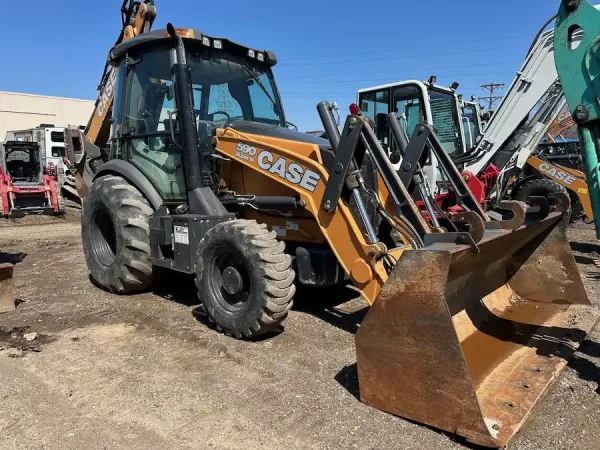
{"x": 407, "y": 103}
{"x": 444, "y": 111}
{"x": 233, "y": 88}
{"x": 225, "y": 88}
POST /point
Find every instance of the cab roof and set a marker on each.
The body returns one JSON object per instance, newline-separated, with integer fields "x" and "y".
{"x": 157, "y": 37}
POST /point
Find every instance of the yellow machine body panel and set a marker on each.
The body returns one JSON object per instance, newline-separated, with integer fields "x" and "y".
{"x": 573, "y": 180}
{"x": 261, "y": 165}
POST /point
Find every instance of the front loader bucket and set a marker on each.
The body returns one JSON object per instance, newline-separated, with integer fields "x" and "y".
{"x": 468, "y": 343}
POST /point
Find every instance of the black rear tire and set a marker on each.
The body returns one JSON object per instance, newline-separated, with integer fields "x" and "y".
{"x": 116, "y": 236}
{"x": 245, "y": 280}
{"x": 539, "y": 187}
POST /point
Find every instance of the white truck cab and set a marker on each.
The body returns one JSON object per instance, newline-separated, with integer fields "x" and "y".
{"x": 51, "y": 141}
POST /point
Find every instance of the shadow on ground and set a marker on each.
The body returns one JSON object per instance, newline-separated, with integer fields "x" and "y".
{"x": 12, "y": 258}
{"x": 320, "y": 303}
{"x": 326, "y": 304}
{"x": 585, "y": 247}
{"x": 586, "y": 369}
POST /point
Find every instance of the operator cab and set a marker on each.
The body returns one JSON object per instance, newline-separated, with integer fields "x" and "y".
{"x": 21, "y": 160}
{"x": 230, "y": 83}
{"x": 416, "y": 102}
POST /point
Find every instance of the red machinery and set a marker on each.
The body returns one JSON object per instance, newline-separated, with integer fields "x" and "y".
{"x": 26, "y": 186}
{"x": 479, "y": 186}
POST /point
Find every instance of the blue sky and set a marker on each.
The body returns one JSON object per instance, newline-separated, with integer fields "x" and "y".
{"x": 326, "y": 50}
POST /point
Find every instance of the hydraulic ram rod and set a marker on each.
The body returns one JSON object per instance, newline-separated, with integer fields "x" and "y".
{"x": 333, "y": 134}
{"x": 418, "y": 178}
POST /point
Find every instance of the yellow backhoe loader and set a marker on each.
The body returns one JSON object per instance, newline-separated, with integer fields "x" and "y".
{"x": 470, "y": 319}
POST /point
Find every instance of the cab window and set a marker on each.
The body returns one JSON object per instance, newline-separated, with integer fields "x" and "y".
{"x": 376, "y": 106}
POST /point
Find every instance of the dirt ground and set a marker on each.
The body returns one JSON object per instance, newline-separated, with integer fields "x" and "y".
{"x": 109, "y": 372}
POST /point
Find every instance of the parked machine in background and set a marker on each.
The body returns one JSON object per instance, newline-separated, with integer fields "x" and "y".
{"x": 27, "y": 185}
{"x": 51, "y": 141}
{"x": 474, "y": 121}
{"x": 504, "y": 160}
{"x": 416, "y": 103}
{"x": 519, "y": 168}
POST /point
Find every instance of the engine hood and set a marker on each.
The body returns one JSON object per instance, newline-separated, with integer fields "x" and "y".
{"x": 264, "y": 129}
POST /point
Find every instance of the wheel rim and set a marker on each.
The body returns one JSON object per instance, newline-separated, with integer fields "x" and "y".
{"x": 230, "y": 279}
{"x": 104, "y": 239}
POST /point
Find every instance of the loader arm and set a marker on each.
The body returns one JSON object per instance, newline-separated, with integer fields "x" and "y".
{"x": 472, "y": 309}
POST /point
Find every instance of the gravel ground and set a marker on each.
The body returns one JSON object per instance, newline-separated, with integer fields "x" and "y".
{"x": 109, "y": 372}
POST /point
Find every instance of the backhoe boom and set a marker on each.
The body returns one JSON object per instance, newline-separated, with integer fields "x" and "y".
{"x": 137, "y": 18}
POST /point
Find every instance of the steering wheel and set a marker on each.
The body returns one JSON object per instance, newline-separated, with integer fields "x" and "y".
{"x": 220, "y": 112}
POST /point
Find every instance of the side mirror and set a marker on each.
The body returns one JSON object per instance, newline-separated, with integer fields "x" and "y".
{"x": 291, "y": 125}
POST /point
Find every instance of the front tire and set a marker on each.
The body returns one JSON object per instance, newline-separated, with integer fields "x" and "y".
{"x": 244, "y": 278}
{"x": 116, "y": 236}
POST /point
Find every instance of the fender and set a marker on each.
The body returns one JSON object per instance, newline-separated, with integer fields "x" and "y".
{"x": 134, "y": 176}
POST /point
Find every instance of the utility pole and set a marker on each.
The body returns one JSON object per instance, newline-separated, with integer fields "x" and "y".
{"x": 491, "y": 98}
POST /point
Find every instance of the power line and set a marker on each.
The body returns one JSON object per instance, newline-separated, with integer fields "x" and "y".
{"x": 355, "y": 61}
{"x": 371, "y": 80}
{"x": 337, "y": 94}
{"x": 491, "y": 98}
{"x": 412, "y": 70}
{"x": 503, "y": 38}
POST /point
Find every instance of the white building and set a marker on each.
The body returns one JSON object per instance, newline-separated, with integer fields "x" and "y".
{"x": 21, "y": 111}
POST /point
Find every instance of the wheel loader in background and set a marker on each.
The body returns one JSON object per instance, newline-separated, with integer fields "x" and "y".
{"x": 468, "y": 325}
